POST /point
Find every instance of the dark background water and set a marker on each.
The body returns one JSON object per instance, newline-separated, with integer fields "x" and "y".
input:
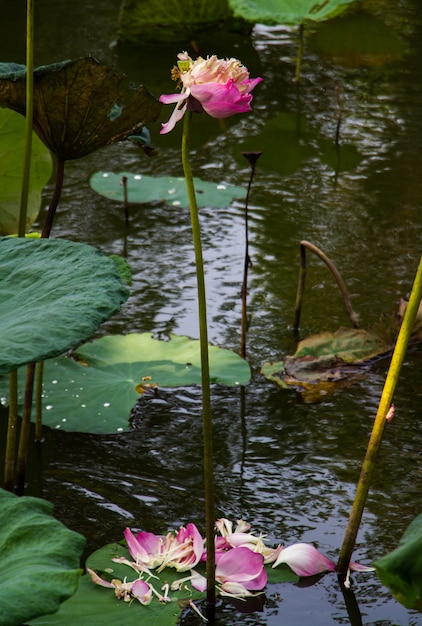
{"x": 287, "y": 466}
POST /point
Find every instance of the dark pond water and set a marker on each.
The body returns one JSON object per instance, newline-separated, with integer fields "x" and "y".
{"x": 288, "y": 466}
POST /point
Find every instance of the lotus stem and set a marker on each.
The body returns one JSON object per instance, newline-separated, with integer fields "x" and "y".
{"x": 12, "y": 426}
{"x": 301, "y": 285}
{"x": 29, "y": 115}
{"x": 38, "y": 401}
{"x": 48, "y": 222}
{"x": 384, "y": 406}
{"x": 205, "y": 374}
{"x": 299, "y": 53}
{"x": 25, "y": 428}
{"x": 252, "y": 158}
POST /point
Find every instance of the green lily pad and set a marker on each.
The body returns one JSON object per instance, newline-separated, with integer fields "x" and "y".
{"x": 12, "y": 143}
{"x": 401, "y": 570}
{"x": 287, "y": 12}
{"x": 149, "y": 189}
{"x": 96, "y": 392}
{"x": 40, "y": 559}
{"x": 93, "y": 605}
{"x": 54, "y": 294}
{"x": 79, "y": 105}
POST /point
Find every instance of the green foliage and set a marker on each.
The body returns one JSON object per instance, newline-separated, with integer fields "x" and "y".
{"x": 12, "y": 143}
{"x": 95, "y": 606}
{"x": 54, "y": 294}
{"x": 79, "y": 105}
{"x": 401, "y": 570}
{"x": 149, "y": 189}
{"x": 287, "y": 11}
{"x": 96, "y": 392}
{"x": 40, "y": 559}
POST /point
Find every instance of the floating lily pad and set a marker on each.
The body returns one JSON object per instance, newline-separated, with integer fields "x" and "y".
{"x": 40, "y": 559}
{"x": 12, "y": 144}
{"x": 149, "y": 189}
{"x": 287, "y": 12}
{"x": 92, "y": 604}
{"x": 323, "y": 361}
{"x": 97, "y": 391}
{"x": 401, "y": 570}
{"x": 79, "y": 105}
{"x": 54, "y": 294}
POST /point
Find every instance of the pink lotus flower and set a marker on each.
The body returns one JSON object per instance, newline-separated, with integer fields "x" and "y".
{"x": 182, "y": 551}
{"x": 220, "y": 87}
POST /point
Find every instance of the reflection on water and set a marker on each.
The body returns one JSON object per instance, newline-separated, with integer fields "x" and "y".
{"x": 288, "y": 467}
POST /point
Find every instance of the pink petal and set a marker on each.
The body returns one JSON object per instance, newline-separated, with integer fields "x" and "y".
{"x": 305, "y": 560}
{"x": 178, "y": 111}
{"x": 198, "y": 581}
{"x": 239, "y": 565}
{"x": 221, "y": 100}
{"x": 170, "y": 98}
{"x": 142, "y": 591}
{"x": 357, "y": 567}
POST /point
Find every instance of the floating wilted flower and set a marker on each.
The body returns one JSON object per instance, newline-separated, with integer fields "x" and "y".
{"x": 239, "y": 537}
{"x": 220, "y": 87}
{"x": 182, "y": 550}
{"x": 238, "y": 572}
{"x": 124, "y": 590}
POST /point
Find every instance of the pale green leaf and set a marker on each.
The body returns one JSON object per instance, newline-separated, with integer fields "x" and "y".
{"x": 147, "y": 189}
{"x": 12, "y": 144}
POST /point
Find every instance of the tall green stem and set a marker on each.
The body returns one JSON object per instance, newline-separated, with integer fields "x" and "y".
{"x": 12, "y": 426}
{"x": 29, "y": 115}
{"x": 205, "y": 373}
{"x": 368, "y": 466}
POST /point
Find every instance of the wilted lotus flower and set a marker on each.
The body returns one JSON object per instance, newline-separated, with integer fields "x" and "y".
{"x": 238, "y": 572}
{"x": 220, "y": 87}
{"x": 182, "y": 550}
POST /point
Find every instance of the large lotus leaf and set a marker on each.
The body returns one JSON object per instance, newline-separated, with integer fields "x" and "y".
{"x": 170, "y": 21}
{"x": 12, "y": 144}
{"x": 53, "y": 295}
{"x": 287, "y": 11}
{"x": 401, "y": 570}
{"x": 359, "y": 39}
{"x": 142, "y": 188}
{"x": 93, "y": 605}
{"x": 40, "y": 559}
{"x": 97, "y": 391}
{"x": 79, "y": 105}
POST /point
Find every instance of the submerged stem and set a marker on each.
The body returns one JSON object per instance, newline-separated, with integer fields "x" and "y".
{"x": 205, "y": 374}
{"x": 379, "y": 423}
